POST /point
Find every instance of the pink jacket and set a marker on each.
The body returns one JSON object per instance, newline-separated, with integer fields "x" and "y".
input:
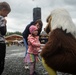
{"x": 33, "y": 44}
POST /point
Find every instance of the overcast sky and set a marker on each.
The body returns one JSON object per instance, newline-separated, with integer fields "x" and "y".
{"x": 22, "y": 11}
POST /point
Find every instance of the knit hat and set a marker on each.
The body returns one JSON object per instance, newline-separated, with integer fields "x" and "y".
{"x": 32, "y": 28}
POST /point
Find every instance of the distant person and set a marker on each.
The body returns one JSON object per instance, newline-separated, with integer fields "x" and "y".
{"x": 26, "y": 32}
{"x": 33, "y": 49}
{"x": 4, "y": 11}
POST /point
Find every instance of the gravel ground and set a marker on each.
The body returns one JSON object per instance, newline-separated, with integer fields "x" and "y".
{"x": 14, "y": 64}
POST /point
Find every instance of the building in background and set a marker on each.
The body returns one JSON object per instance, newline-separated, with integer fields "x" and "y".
{"x": 36, "y": 13}
{"x": 14, "y": 39}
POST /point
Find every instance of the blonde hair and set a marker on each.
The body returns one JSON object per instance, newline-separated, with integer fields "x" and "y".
{"x": 61, "y": 19}
{"x": 5, "y": 5}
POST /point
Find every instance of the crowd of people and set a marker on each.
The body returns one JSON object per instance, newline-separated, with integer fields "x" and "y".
{"x": 60, "y": 47}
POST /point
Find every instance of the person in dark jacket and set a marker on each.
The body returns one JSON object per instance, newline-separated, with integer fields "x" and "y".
{"x": 26, "y": 32}
{"x": 4, "y": 11}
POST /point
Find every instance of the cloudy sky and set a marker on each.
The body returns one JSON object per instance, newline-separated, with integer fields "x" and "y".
{"x": 22, "y": 11}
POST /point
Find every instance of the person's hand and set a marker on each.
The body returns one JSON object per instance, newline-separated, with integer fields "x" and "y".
{"x": 39, "y": 50}
{"x": 42, "y": 45}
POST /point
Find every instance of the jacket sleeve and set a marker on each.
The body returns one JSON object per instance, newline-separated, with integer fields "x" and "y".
{"x": 26, "y": 31}
{"x": 32, "y": 41}
{"x": 3, "y": 29}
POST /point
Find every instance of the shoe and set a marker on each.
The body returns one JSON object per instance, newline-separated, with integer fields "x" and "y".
{"x": 26, "y": 67}
{"x": 35, "y": 73}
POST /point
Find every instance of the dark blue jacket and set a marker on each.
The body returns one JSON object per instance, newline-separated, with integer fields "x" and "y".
{"x": 3, "y": 29}
{"x": 26, "y": 31}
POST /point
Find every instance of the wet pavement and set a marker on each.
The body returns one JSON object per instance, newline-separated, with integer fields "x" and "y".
{"x": 14, "y": 64}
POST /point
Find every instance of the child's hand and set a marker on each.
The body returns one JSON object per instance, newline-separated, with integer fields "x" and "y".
{"x": 42, "y": 45}
{"x": 39, "y": 50}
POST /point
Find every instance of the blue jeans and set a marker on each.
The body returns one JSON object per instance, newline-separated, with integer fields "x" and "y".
{"x": 25, "y": 46}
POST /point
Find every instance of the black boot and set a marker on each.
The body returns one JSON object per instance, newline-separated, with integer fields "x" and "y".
{"x": 35, "y": 73}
